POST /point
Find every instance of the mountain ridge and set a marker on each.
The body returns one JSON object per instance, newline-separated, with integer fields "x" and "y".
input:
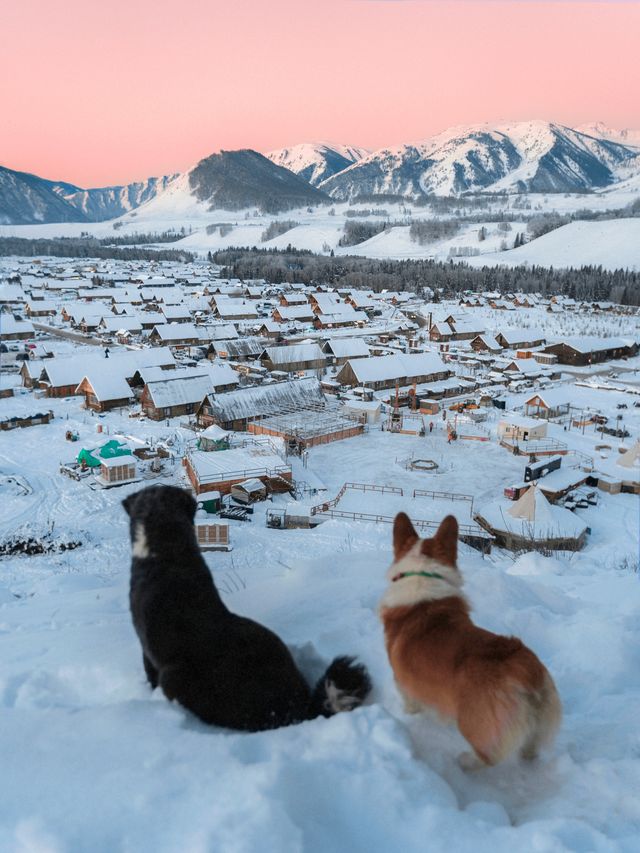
{"x": 517, "y": 157}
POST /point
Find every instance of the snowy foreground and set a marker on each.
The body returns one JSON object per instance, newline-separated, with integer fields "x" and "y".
{"x": 93, "y": 761}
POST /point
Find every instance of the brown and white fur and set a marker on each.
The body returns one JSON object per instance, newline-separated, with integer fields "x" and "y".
{"x": 494, "y": 688}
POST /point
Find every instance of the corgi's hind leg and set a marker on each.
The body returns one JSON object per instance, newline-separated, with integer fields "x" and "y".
{"x": 495, "y": 725}
{"x": 411, "y": 705}
{"x": 470, "y": 761}
{"x": 545, "y": 718}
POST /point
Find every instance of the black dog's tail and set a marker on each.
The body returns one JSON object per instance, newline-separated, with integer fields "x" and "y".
{"x": 344, "y": 686}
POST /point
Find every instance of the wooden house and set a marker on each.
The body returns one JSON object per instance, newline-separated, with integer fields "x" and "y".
{"x": 485, "y": 343}
{"x": 238, "y": 349}
{"x": 104, "y": 390}
{"x": 520, "y": 338}
{"x": 174, "y": 396}
{"x": 293, "y": 358}
{"x": 383, "y": 372}
{"x": 15, "y": 329}
{"x": 175, "y": 335}
{"x": 30, "y": 373}
{"x": 591, "y": 350}
{"x": 339, "y": 350}
{"x": 293, "y": 314}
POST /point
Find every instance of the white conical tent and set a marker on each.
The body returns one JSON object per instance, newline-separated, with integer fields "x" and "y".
{"x": 532, "y": 506}
{"x": 630, "y": 459}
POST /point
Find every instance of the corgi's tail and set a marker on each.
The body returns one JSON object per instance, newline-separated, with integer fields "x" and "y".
{"x": 344, "y": 686}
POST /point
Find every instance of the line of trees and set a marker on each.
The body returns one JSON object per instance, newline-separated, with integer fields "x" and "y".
{"x": 448, "y": 279}
{"x": 86, "y": 247}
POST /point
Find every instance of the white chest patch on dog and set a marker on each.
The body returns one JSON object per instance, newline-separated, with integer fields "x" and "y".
{"x": 140, "y": 548}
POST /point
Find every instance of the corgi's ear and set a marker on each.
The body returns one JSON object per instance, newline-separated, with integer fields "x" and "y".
{"x": 444, "y": 545}
{"x": 404, "y": 535}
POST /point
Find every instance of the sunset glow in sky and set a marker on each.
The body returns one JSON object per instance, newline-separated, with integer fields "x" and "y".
{"x": 105, "y": 93}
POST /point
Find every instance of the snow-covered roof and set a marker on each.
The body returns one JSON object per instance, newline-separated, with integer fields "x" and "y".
{"x": 265, "y": 399}
{"x": 178, "y": 391}
{"x": 532, "y": 517}
{"x": 387, "y": 367}
{"x": 347, "y": 347}
{"x": 10, "y": 326}
{"x": 107, "y": 384}
{"x": 590, "y": 343}
{"x": 515, "y": 337}
{"x": 177, "y": 332}
{"x": 295, "y": 312}
{"x": 255, "y": 461}
{"x": 281, "y": 356}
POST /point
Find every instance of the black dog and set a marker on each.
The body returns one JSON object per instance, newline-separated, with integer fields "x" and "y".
{"x": 227, "y": 670}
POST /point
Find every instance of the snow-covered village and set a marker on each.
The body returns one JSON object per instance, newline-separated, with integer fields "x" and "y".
{"x": 320, "y": 427}
{"x": 302, "y": 420}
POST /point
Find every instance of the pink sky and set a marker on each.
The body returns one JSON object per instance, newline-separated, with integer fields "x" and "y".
{"x": 105, "y": 93}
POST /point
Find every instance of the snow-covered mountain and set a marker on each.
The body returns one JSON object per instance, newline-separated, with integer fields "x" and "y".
{"x": 233, "y": 180}
{"x": 317, "y": 161}
{"x": 627, "y": 136}
{"x": 531, "y": 156}
{"x": 521, "y": 157}
{"x": 110, "y": 202}
{"x": 27, "y": 199}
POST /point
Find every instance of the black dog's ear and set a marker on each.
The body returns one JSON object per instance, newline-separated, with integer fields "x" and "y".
{"x": 188, "y": 504}
{"x": 127, "y": 503}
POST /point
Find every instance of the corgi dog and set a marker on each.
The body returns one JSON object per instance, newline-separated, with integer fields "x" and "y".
{"x": 494, "y": 688}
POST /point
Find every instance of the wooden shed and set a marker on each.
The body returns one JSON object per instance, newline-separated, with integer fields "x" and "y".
{"x": 212, "y": 535}
{"x": 117, "y": 471}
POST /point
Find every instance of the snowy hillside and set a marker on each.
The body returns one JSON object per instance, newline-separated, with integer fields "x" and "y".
{"x": 93, "y": 760}
{"x": 612, "y": 244}
{"x": 317, "y": 161}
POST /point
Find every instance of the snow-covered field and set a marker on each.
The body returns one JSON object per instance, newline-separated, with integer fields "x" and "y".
{"x": 92, "y": 760}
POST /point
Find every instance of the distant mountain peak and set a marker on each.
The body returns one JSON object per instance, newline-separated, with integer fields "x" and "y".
{"x": 314, "y": 162}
